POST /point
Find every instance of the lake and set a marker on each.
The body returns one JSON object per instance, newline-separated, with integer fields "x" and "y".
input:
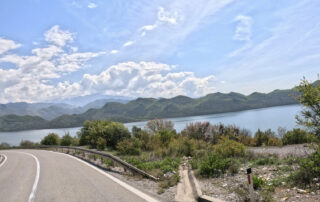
{"x": 252, "y": 120}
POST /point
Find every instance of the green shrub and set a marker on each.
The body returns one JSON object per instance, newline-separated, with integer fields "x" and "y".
{"x": 129, "y": 146}
{"x": 28, "y": 144}
{"x": 230, "y": 148}
{"x": 266, "y": 161}
{"x": 214, "y": 165}
{"x": 257, "y": 182}
{"x": 266, "y": 138}
{"x": 66, "y": 140}
{"x": 112, "y": 132}
{"x": 4, "y": 145}
{"x": 101, "y": 144}
{"x": 51, "y": 139}
{"x": 309, "y": 168}
{"x": 298, "y": 136}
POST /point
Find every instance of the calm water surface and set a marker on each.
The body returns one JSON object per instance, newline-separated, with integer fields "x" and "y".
{"x": 252, "y": 120}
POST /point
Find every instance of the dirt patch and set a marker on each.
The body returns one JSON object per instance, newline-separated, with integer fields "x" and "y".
{"x": 299, "y": 150}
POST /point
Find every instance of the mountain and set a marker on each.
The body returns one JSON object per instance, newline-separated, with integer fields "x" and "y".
{"x": 50, "y": 111}
{"x": 150, "y": 108}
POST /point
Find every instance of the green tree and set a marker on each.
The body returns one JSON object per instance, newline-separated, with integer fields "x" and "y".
{"x": 66, "y": 140}
{"x": 112, "y": 132}
{"x": 309, "y": 97}
{"x": 51, "y": 139}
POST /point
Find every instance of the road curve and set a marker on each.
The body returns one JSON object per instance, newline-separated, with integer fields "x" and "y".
{"x": 60, "y": 178}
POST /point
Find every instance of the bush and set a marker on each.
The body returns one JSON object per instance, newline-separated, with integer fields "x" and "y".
{"x": 230, "y": 148}
{"x": 214, "y": 165}
{"x": 112, "y": 132}
{"x": 51, "y": 139}
{"x": 309, "y": 169}
{"x": 4, "y": 145}
{"x": 28, "y": 144}
{"x": 298, "y": 136}
{"x": 101, "y": 144}
{"x": 66, "y": 140}
{"x": 129, "y": 146}
{"x": 165, "y": 136}
{"x": 266, "y": 138}
{"x": 266, "y": 161}
{"x": 257, "y": 182}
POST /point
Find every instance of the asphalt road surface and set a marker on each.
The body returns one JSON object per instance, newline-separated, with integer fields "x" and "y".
{"x": 35, "y": 175}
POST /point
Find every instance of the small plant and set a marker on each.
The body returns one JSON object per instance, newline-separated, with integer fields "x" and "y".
{"x": 230, "y": 148}
{"x": 214, "y": 165}
{"x": 257, "y": 182}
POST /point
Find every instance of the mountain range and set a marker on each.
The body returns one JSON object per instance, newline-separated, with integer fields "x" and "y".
{"x": 145, "y": 109}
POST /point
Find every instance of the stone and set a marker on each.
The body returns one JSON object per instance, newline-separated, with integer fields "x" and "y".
{"x": 301, "y": 191}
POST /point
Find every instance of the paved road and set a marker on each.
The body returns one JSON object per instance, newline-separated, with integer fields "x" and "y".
{"x": 33, "y": 175}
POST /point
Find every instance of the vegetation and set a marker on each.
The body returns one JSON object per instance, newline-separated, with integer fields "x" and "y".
{"x": 309, "y": 97}
{"x": 51, "y": 139}
{"x": 298, "y": 136}
{"x": 309, "y": 168}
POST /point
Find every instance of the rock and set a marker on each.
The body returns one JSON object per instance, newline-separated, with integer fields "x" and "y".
{"x": 284, "y": 198}
{"x": 301, "y": 191}
{"x": 315, "y": 179}
{"x": 224, "y": 185}
{"x": 283, "y": 183}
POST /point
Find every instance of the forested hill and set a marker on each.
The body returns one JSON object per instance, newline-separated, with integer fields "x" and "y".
{"x": 150, "y": 108}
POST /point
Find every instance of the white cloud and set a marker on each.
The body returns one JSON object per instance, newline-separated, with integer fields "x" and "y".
{"x": 147, "y": 79}
{"x": 57, "y": 36}
{"x": 114, "y": 51}
{"x": 6, "y": 45}
{"x": 169, "y": 17}
{"x": 148, "y": 27}
{"x": 92, "y": 5}
{"x": 32, "y": 77}
{"x": 128, "y": 43}
{"x": 243, "y": 29}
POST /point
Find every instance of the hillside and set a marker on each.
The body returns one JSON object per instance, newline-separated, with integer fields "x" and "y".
{"x": 50, "y": 111}
{"x": 150, "y": 108}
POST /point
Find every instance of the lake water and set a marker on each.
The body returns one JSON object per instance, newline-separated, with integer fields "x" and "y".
{"x": 252, "y": 120}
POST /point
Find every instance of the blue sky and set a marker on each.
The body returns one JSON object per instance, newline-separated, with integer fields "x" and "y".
{"x": 62, "y": 49}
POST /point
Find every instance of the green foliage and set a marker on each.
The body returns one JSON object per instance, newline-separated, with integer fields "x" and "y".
{"x": 214, "y": 165}
{"x": 265, "y": 161}
{"x": 257, "y": 182}
{"x": 129, "y": 146}
{"x": 165, "y": 136}
{"x": 28, "y": 144}
{"x": 266, "y": 138}
{"x": 66, "y": 140}
{"x": 101, "y": 143}
{"x": 298, "y": 136}
{"x": 309, "y": 97}
{"x": 4, "y": 145}
{"x": 309, "y": 168}
{"x": 51, "y": 139}
{"x": 165, "y": 165}
{"x": 112, "y": 132}
{"x": 230, "y": 148}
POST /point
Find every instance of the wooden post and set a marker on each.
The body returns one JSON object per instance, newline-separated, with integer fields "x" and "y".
{"x": 250, "y": 183}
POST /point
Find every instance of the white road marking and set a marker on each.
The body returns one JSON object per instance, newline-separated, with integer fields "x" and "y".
{"x": 5, "y": 159}
{"x": 116, "y": 180}
{"x": 36, "y": 180}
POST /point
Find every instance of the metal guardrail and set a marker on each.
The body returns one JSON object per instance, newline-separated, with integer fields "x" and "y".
{"x": 110, "y": 156}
